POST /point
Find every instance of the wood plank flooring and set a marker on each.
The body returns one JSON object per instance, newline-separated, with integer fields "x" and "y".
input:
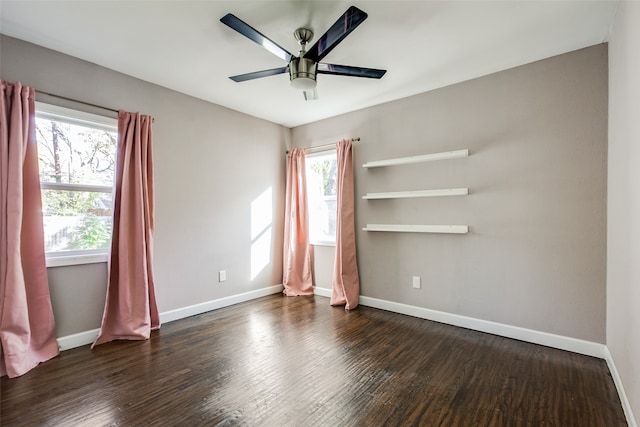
{"x": 280, "y": 361}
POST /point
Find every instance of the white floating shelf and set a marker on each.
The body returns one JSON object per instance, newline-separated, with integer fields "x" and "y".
{"x": 418, "y": 159}
{"x": 418, "y": 193}
{"x": 455, "y": 229}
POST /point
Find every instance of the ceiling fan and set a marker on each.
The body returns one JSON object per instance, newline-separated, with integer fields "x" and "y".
{"x": 304, "y": 68}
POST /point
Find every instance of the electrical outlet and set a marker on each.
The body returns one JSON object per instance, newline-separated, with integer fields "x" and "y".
{"x": 222, "y": 275}
{"x": 416, "y": 282}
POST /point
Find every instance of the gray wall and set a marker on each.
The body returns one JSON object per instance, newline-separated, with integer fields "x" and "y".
{"x": 535, "y": 256}
{"x": 623, "y": 254}
{"x": 210, "y": 164}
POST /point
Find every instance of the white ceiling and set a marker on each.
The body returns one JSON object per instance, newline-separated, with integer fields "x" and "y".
{"x": 424, "y": 45}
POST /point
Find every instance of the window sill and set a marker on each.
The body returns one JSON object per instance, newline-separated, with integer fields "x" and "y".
{"x": 64, "y": 260}
{"x": 323, "y": 243}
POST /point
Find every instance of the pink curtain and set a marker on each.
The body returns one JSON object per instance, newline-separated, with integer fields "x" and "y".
{"x": 296, "y": 272}
{"x": 27, "y": 326}
{"x": 130, "y": 311}
{"x": 346, "y": 282}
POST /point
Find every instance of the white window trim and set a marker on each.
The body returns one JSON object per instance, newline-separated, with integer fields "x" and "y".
{"x": 319, "y": 242}
{"x": 76, "y": 117}
{"x": 81, "y": 118}
{"x": 75, "y": 187}
{"x": 58, "y": 259}
{"x": 321, "y": 153}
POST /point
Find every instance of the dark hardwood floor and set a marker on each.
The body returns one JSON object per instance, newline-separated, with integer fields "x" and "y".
{"x": 280, "y": 361}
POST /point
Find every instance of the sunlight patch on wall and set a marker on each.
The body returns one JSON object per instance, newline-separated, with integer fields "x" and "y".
{"x": 261, "y": 222}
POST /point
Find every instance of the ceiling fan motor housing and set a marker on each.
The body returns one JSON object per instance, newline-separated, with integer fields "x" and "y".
{"x": 302, "y": 73}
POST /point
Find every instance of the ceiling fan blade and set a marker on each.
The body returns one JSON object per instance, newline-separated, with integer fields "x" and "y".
{"x": 259, "y": 74}
{"x": 334, "y": 35}
{"x": 346, "y": 70}
{"x": 310, "y": 95}
{"x": 248, "y": 31}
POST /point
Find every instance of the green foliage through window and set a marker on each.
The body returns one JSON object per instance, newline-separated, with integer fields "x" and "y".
{"x": 327, "y": 170}
{"x": 92, "y": 233}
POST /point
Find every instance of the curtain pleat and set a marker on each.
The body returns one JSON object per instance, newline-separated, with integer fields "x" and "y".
{"x": 130, "y": 310}
{"x": 346, "y": 282}
{"x": 296, "y": 270}
{"x": 27, "y": 325}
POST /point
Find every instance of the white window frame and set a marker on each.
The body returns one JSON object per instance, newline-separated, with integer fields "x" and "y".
{"x": 81, "y": 118}
{"x": 322, "y": 153}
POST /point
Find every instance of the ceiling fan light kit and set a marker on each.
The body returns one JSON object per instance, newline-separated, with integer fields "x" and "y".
{"x": 302, "y": 73}
{"x": 304, "y": 68}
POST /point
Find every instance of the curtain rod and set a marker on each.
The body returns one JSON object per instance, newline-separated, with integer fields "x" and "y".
{"x": 76, "y": 100}
{"x": 325, "y": 146}
{"x": 66, "y": 98}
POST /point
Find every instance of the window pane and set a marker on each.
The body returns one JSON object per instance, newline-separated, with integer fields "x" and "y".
{"x": 73, "y": 154}
{"x": 76, "y": 220}
{"x": 321, "y": 194}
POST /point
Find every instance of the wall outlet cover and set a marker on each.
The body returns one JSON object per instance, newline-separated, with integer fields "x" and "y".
{"x": 416, "y": 282}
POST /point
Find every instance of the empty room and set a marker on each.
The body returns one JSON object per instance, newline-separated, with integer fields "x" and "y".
{"x": 319, "y": 213}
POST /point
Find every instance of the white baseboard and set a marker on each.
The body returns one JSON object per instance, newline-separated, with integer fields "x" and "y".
{"x": 88, "y": 337}
{"x": 529, "y": 335}
{"x": 556, "y": 341}
{"x": 77, "y": 340}
{"x": 626, "y": 405}
{"x": 323, "y": 292}
{"x": 192, "y": 310}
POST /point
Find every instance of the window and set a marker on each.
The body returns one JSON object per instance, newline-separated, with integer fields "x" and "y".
{"x": 321, "y": 170}
{"x": 77, "y": 155}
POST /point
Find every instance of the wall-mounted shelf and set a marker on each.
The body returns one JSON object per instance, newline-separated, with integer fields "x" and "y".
{"x": 418, "y": 193}
{"x": 397, "y": 228}
{"x": 418, "y": 159}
